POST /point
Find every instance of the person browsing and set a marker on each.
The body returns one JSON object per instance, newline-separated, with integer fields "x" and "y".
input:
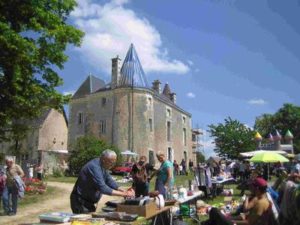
{"x": 165, "y": 178}
{"x": 93, "y": 181}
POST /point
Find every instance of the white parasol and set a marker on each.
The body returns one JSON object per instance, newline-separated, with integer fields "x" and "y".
{"x": 129, "y": 153}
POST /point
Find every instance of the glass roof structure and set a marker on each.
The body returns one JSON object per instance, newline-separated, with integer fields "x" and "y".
{"x": 132, "y": 73}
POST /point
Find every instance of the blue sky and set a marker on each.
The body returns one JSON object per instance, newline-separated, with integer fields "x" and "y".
{"x": 222, "y": 57}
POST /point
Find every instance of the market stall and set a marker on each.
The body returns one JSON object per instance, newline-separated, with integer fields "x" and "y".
{"x": 155, "y": 210}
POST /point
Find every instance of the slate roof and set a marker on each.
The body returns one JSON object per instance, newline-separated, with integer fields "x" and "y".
{"x": 90, "y": 85}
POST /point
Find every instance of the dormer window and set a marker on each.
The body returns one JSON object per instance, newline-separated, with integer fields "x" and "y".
{"x": 169, "y": 112}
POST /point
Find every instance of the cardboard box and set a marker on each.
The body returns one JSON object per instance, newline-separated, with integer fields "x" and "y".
{"x": 144, "y": 210}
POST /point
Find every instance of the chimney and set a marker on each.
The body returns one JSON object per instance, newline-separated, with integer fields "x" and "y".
{"x": 156, "y": 86}
{"x": 115, "y": 72}
{"x": 173, "y": 97}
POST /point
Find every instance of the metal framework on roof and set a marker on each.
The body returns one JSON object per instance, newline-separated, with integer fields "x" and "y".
{"x": 132, "y": 73}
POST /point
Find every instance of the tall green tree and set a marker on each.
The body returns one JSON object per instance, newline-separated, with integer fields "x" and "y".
{"x": 33, "y": 37}
{"x": 231, "y": 138}
{"x": 86, "y": 148}
{"x": 286, "y": 118}
{"x": 264, "y": 124}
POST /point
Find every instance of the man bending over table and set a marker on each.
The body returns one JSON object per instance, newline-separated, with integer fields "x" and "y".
{"x": 93, "y": 181}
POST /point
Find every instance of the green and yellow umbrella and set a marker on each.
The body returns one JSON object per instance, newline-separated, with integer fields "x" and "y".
{"x": 268, "y": 157}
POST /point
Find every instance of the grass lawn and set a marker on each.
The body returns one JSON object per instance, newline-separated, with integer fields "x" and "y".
{"x": 62, "y": 179}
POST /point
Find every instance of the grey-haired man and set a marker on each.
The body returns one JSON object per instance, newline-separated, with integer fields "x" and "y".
{"x": 10, "y": 192}
{"x": 93, "y": 181}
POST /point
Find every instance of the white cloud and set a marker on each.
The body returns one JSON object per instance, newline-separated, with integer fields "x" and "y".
{"x": 248, "y": 126}
{"x": 257, "y": 102}
{"x": 68, "y": 92}
{"x": 190, "y": 95}
{"x": 111, "y": 28}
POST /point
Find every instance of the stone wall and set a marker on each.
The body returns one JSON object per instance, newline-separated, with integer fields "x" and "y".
{"x": 53, "y": 134}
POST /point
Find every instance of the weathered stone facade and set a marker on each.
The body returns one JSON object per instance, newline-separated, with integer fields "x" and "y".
{"x": 149, "y": 123}
{"x": 48, "y": 134}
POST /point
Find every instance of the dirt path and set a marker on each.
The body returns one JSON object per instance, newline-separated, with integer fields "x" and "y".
{"x": 60, "y": 202}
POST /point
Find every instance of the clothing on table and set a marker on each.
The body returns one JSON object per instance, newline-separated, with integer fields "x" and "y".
{"x": 208, "y": 176}
{"x": 203, "y": 179}
{"x": 92, "y": 182}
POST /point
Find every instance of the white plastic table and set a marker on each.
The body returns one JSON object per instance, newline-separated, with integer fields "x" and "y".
{"x": 189, "y": 200}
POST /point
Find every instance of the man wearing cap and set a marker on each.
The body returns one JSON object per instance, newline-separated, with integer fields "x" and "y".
{"x": 259, "y": 204}
{"x": 256, "y": 210}
{"x": 93, "y": 181}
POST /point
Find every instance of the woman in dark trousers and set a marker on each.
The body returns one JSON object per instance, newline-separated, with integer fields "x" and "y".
{"x": 140, "y": 175}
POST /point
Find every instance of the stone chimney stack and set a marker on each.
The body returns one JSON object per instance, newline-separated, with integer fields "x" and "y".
{"x": 156, "y": 86}
{"x": 115, "y": 72}
{"x": 173, "y": 97}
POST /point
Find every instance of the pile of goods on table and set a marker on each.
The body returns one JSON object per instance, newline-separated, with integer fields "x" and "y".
{"x": 227, "y": 207}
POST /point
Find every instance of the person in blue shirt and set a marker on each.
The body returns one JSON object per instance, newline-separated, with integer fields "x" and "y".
{"x": 93, "y": 181}
{"x": 165, "y": 178}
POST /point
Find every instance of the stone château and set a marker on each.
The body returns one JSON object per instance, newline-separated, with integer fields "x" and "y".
{"x": 130, "y": 114}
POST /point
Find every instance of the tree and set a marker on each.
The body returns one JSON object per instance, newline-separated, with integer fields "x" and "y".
{"x": 200, "y": 158}
{"x": 85, "y": 149}
{"x": 231, "y": 138}
{"x": 264, "y": 124}
{"x": 33, "y": 37}
{"x": 286, "y": 118}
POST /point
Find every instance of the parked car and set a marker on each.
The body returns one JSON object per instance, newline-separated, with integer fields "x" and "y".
{"x": 122, "y": 169}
